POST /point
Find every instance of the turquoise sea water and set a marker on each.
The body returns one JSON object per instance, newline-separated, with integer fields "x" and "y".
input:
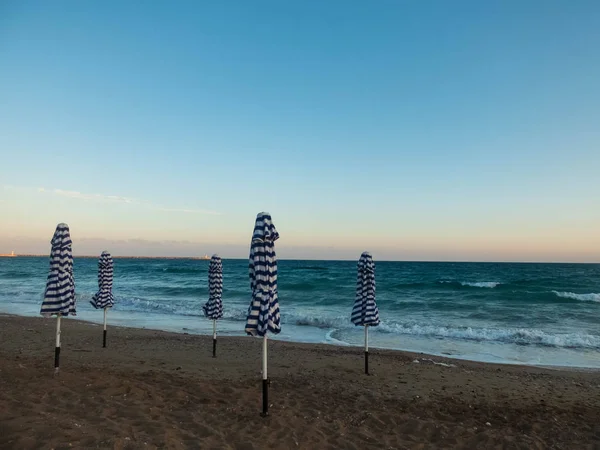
{"x": 547, "y": 314}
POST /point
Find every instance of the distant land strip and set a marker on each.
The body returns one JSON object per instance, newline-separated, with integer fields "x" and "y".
{"x": 118, "y": 257}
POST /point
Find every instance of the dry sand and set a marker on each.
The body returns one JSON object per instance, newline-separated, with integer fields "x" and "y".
{"x": 152, "y": 389}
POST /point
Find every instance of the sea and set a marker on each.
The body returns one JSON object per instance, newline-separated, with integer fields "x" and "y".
{"x": 520, "y": 313}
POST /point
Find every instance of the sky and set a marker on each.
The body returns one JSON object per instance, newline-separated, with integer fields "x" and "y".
{"x": 418, "y": 130}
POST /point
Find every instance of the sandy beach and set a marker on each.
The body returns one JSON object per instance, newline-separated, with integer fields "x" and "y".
{"x": 152, "y": 389}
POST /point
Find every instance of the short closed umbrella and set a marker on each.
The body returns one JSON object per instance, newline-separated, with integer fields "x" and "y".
{"x": 213, "y": 309}
{"x": 365, "y": 312}
{"x": 104, "y": 299}
{"x": 59, "y": 296}
{"x": 263, "y": 313}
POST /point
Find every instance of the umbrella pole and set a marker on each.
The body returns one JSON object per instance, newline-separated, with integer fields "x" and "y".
{"x": 214, "y": 338}
{"x": 367, "y": 349}
{"x": 57, "y": 348}
{"x": 104, "y": 334}
{"x": 265, "y": 381}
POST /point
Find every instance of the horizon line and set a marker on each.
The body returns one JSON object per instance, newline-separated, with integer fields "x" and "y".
{"x": 202, "y": 258}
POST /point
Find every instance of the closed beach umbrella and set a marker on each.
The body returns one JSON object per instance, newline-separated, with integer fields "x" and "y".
{"x": 59, "y": 296}
{"x": 263, "y": 314}
{"x": 213, "y": 309}
{"x": 103, "y": 299}
{"x": 365, "y": 312}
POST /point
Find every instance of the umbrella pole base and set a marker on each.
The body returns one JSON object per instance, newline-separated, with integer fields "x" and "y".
{"x": 214, "y": 348}
{"x": 104, "y": 340}
{"x": 56, "y": 360}
{"x": 366, "y": 363}
{"x": 265, "y": 398}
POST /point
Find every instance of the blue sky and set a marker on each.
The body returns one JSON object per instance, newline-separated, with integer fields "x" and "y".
{"x": 439, "y": 130}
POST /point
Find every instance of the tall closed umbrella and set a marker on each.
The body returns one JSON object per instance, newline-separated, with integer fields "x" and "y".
{"x": 213, "y": 309}
{"x": 365, "y": 312}
{"x": 103, "y": 299}
{"x": 59, "y": 296}
{"x": 263, "y": 314}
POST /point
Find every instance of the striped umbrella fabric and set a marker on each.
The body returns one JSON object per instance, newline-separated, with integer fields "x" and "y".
{"x": 365, "y": 312}
{"x": 104, "y": 297}
{"x": 59, "y": 297}
{"x": 213, "y": 309}
{"x": 263, "y": 314}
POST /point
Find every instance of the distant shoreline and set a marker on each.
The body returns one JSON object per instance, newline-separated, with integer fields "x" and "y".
{"x": 118, "y": 257}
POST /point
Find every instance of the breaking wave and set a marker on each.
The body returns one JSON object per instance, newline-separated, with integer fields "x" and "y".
{"x": 518, "y": 336}
{"x": 581, "y": 297}
{"x": 479, "y": 284}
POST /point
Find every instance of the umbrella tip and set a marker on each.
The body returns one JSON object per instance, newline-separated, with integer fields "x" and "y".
{"x": 264, "y": 228}
{"x": 61, "y": 234}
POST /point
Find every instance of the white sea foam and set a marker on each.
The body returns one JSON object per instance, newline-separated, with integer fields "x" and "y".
{"x": 317, "y": 321}
{"x": 330, "y": 339}
{"x": 519, "y": 336}
{"x": 437, "y": 363}
{"x": 581, "y": 297}
{"x": 481, "y": 284}
{"x": 140, "y": 304}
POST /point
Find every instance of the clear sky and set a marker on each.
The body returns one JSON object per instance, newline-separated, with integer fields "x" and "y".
{"x": 419, "y": 130}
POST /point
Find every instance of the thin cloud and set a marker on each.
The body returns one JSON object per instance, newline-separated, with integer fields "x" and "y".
{"x": 101, "y": 198}
{"x": 93, "y": 197}
{"x": 189, "y": 211}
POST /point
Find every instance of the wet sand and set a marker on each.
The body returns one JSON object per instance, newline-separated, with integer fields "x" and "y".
{"x": 152, "y": 389}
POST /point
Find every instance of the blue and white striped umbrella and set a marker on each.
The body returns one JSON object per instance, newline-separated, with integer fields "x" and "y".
{"x": 263, "y": 314}
{"x": 59, "y": 297}
{"x": 365, "y": 311}
{"x": 104, "y": 297}
{"x": 213, "y": 309}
